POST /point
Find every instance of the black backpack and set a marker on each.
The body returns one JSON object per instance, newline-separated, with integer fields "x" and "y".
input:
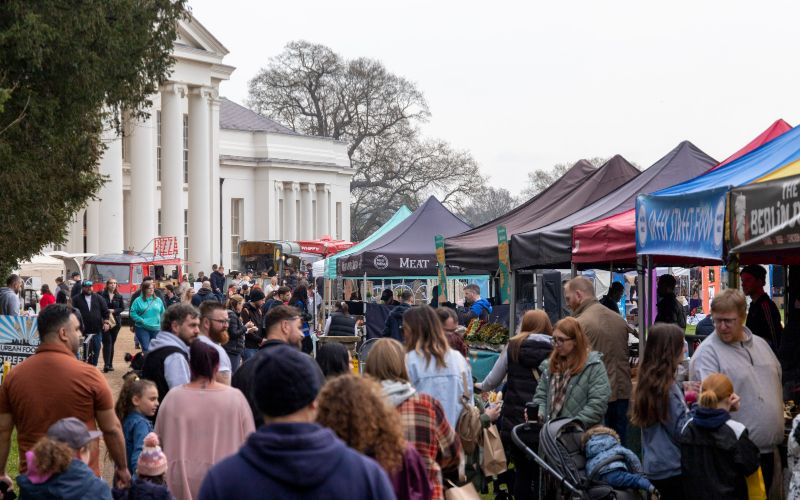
{"x": 153, "y": 367}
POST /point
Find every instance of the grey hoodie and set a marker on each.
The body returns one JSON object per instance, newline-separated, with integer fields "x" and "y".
{"x": 397, "y": 392}
{"x": 176, "y": 368}
{"x": 9, "y": 302}
{"x": 756, "y": 375}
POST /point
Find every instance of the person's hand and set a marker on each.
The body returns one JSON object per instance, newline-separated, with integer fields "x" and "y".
{"x": 735, "y": 400}
{"x": 493, "y": 411}
{"x": 122, "y": 478}
{"x": 4, "y": 478}
{"x": 250, "y": 325}
{"x": 106, "y": 326}
{"x": 478, "y": 386}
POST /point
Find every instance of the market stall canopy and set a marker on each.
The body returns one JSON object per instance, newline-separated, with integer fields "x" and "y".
{"x": 408, "y": 249}
{"x": 581, "y": 185}
{"x": 551, "y": 245}
{"x": 325, "y": 246}
{"x": 765, "y": 222}
{"x": 326, "y": 268}
{"x": 613, "y": 239}
{"x": 687, "y": 221}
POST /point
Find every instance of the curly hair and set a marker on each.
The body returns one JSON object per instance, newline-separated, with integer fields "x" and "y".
{"x": 52, "y": 457}
{"x": 354, "y": 408}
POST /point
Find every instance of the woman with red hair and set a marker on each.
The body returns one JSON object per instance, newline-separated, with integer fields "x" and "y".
{"x": 574, "y": 382}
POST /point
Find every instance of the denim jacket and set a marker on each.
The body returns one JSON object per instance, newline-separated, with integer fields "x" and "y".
{"x": 135, "y": 427}
{"x": 442, "y": 383}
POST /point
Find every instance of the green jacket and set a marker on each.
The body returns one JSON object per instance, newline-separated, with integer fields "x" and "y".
{"x": 587, "y": 392}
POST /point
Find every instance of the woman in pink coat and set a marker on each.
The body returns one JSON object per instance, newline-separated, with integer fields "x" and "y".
{"x": 200, "y": 423}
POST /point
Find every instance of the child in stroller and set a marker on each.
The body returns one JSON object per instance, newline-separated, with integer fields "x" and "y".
{"x": 562, "y": 461}
{"x": 611, "y": 462}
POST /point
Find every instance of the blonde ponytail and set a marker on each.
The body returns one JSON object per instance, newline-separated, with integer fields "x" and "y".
{"x": 715, "y": 388}
{"x": 708, "y": 399}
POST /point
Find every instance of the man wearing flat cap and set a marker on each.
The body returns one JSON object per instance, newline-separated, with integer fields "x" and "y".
{"x": 291, "y": 456}
{"x": 763, "y": 318}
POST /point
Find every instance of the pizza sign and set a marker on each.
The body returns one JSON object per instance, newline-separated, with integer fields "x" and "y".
{"x": 165, "y": 246}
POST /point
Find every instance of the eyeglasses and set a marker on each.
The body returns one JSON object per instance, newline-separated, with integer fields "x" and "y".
{"x": 561, "y": 340}
{"x": 725, "y": 321}
{"x": 219, "y": 321}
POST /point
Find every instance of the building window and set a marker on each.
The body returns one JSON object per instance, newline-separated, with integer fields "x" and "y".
{"x": 186, "y": 235}
{"x": 158, "y": 225}
{"x": 158, "y": 148}
{"x": 338, "y": 220}
{"x": 185, "y": 149}
{"x": 236, "y": 229}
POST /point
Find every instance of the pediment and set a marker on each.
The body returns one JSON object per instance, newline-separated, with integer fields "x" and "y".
{"x": 192, "y": 34}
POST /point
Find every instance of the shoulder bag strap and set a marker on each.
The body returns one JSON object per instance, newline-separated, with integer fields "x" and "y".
{"x": 536, "y": 375}
{"x": 465, "y": 393}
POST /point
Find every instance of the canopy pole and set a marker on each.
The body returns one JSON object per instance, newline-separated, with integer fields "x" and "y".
{"x": 364, "y": 293}
{"x": 573, "y": 270}
{"x": 512, "y": 303}
{"x": 640, "y": 291}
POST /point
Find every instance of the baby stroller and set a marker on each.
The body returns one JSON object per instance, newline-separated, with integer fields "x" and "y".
{"x": 563, "y": 463}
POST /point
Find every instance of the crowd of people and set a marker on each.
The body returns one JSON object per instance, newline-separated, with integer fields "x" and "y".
{"x": 226, "y": 402}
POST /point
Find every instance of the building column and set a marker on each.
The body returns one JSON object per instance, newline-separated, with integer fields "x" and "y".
{"x": 200, "y": 199}
{"x": 216, "y": 215}
{"x": 289, "y": 211}
{"x": 312, "y": 212}
{"x": 143, "y": 181}
{"x": 93, "y": 227}
{"x": 306, "y": 220}
{"x": 276, "y": 219}
{"x": 172, "y": 162}
{"x": 323, "y": 216}
{"x": 110, "y": 215}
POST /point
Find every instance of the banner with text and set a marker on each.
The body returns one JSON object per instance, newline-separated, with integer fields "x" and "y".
{"x": 504, "y": 264}
{"x": 690, "y": 225}
{"x": 439, "y": 242}
{"x": 19, "y": 338}
{"x": 766, "y": 216}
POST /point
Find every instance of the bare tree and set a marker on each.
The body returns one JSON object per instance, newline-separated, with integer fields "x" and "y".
{"x": 488, "y": 204}
{"x": 541, "y": 179}
{"x": 315, "y": 91}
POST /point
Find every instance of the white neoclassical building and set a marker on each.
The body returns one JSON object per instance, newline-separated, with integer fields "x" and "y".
{"x": 211, "y": 172}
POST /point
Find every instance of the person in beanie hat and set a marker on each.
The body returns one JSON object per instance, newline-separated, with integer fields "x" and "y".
{"x": 150, "y": 470}
{"x": 252, "y": 312}
{"x": 57, "y": 465}
{"x": 291, "y": 456}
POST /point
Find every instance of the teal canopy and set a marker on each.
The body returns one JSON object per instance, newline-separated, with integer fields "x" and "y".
{"x": 329, "y": 265}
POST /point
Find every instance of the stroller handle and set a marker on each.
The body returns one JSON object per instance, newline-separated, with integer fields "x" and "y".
{"x": 539, "y": 461}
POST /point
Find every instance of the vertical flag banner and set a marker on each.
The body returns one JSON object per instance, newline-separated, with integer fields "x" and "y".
{"x": 505, "y": 265}
{"x": 439, "y": 240}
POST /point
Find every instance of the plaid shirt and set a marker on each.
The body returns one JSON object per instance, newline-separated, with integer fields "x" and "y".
{"x": 426, "y": 428}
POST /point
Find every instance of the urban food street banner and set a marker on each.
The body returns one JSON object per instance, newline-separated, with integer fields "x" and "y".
{"x": 766, "y": 216}
{"x": 688, "y": 225}
{"x": 19, "y": 338}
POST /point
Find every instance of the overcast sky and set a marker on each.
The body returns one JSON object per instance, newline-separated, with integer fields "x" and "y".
{"x": 525, "y": 85}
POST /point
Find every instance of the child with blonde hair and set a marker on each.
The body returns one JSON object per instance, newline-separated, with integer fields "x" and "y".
{"x": 716, "y": 452}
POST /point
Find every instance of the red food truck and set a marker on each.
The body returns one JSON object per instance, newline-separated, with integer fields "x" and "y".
{"x": 129, "y": 268}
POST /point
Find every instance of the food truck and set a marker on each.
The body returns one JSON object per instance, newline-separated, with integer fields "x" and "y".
{"x": 129, "y": 268}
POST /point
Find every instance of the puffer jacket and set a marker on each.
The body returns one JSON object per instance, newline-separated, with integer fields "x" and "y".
{"x": 76, "y": 483}
{"x": 236, "y": 333}
{"x": 601, "y": 447}
{"x": 587, "y": 392}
